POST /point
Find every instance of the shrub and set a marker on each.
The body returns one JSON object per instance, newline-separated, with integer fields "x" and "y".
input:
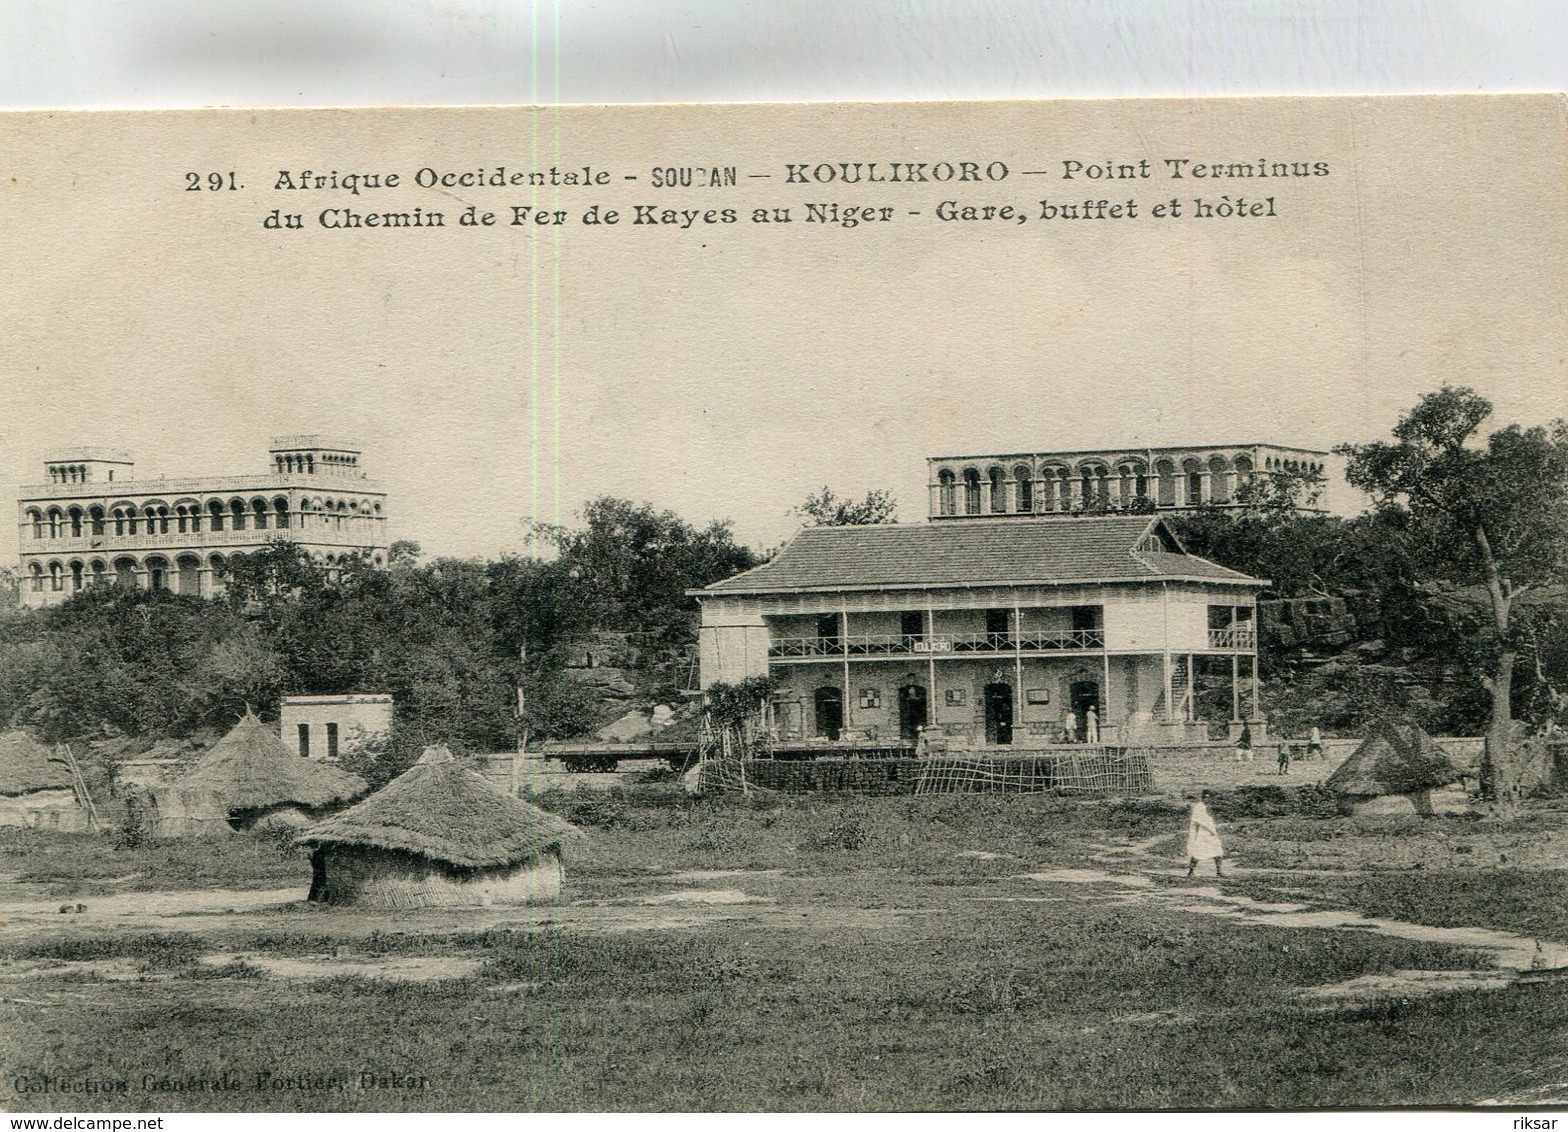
{"x": 844, "y": 836}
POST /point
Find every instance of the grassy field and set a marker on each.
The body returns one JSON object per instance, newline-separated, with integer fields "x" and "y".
{"x": 898, "y": 953}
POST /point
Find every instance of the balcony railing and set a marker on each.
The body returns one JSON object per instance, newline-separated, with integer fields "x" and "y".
{"x": 154, "y": 488}
{"x": 86, "y": 543}
{"x": 894, "y": 644}
{"x": 1233, "y": 638}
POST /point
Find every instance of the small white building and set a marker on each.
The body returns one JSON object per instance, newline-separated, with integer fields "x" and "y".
{"x": 325, "y": 727}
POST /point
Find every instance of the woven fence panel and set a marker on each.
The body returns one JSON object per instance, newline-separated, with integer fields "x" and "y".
{"x": 1102, "y": 771}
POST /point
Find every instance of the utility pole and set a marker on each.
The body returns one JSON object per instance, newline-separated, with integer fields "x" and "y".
{"x": 522, "y": 716}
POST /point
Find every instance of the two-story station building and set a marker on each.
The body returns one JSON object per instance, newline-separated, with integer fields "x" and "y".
{"x": 990, "y": 632}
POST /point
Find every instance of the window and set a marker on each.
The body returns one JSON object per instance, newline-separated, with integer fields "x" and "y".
{"x": 998, "y": 492}
{"x": 971, "y": 492}
{"x": 947, "y": 504}
{"x": 828, "y": 630}
{"x": 332, "y": 740}
{"x": 1086, "y": 618}
{"x": 912, "y": 626}
{"x": 304, "y": 740}
{"x": 1023, "y": 501}
{"x": 998, "y": 627}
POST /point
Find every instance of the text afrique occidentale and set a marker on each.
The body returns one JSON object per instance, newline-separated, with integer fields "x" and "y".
{"x": 801, "y": 173}
{"x": 824, "y": 174}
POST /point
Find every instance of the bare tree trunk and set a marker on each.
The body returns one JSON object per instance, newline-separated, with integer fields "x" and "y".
{"x": 1499, "y": 729}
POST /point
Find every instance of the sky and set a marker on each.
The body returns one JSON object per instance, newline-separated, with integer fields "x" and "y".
{"x": 503, "y": 375}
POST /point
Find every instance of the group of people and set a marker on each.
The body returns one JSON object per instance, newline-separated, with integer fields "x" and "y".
{"x": 1091, "y": 725}
{"x": 1286, "y": 750}
{"x": 1203, "y": 837}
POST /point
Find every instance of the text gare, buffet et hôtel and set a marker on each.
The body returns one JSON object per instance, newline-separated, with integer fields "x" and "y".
{"x": 804, "y": 173}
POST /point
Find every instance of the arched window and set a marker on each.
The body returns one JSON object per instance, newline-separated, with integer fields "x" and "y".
{"x": 1023, "y": 489}
{"x": 237, "y": 513}
{"x": 37, "y": 572}
{"x": 76, "y": 576}
{"x": 259, "y": 509}
{"x": 1246, "y": 476}
{"x": 1219, "y": 479}
{"x": 281, "y": 508}
{"x": 971, "y": 492}
{"x": 1194, "y": 476}
{"x": 1094, "y": 487}
{"x": 946, "y": 501}
{"x": 37, "y": 518}
{"x": 215, "y": 510}
{"x": 56, "y": 577}
{"x": 55, "y": 518}
{"x": 76, "y": 522}
{"x": 1165, "y": 490}
{"x": 998, "y": 491}
{"x": 95, "y": 517}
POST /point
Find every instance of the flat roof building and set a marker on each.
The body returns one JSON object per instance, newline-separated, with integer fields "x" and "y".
{"x": 1140, "y": 480}
{"x": 95, "y": 523}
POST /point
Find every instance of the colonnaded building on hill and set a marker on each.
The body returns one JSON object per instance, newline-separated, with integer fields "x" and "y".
{"x": 993, "y": 632}
{"x": 1109, "y": 479}
{"x": 94, "y": 523}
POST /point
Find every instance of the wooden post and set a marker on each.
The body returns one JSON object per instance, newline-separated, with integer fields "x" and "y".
{"x": 843, "y": 644}
{"x": 1105, "y": 688}
{"x": 1191, "y": 703}
{"x": 1018, "y": 668}
{"x": 931, "y": 696}
{"x": 1235, "y": 685}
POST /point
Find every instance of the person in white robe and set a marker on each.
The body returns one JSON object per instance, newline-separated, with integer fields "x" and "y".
{"x": 1203, "y": 837}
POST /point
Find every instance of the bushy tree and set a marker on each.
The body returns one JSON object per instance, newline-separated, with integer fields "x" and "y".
{"x": 1492, "y": 514}
{"x": 827, "y": 509}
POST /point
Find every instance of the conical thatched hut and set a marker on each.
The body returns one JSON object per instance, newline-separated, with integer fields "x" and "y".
{"x": 36, "y": 788}
{"x": 437, "y": 835}
{"x": 1394, "y": 770}
{"x": 250, "y": 780}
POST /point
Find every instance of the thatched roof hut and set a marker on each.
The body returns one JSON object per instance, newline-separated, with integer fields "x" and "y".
{"x": 250, "y": 779}
{"x": 1395, "y": 761}
{"x": 36, "y": 788}
{"x": 438, "y": 835}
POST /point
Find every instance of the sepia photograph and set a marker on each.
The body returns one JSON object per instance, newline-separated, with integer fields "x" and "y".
{"x": 944, "y": 607}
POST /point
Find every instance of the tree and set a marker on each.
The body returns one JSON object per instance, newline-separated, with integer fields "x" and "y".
{"x": 1494, "y": 516}
{"x": 827, "y": 509}
{"x": 632, "y": 565}
{"x": 281, "y": 569}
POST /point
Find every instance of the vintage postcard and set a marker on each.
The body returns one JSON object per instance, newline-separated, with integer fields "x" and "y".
{"x": 945, "y": 607}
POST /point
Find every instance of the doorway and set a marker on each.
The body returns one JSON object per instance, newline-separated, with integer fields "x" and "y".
{"x": 830, "y": 712}
{"x": 999, "y": 714}
{"x": 911, "y": 712}
{"x": 1081, "y": 696}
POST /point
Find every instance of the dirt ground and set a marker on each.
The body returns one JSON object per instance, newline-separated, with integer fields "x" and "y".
{"x": 1287, "y": 875}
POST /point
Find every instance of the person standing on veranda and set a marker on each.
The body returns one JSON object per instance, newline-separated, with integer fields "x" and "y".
{"x": 1091, "y": 725}
{"x": 1203, "y": 836}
